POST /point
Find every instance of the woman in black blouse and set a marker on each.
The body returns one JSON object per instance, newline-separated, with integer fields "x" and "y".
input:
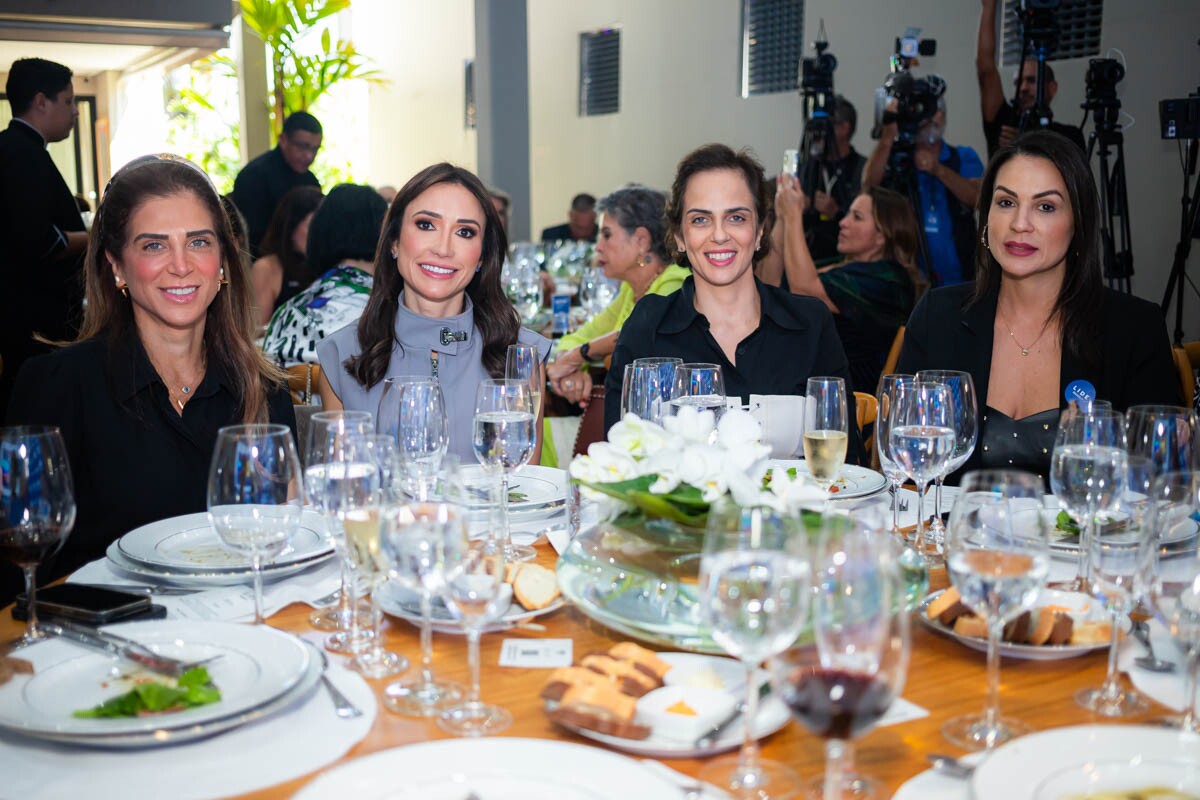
{"x": 165, "y": 357}
{"x": 1038, "y": 328}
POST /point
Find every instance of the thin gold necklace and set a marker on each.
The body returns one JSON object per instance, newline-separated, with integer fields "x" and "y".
{"x": 1025, "y": 350}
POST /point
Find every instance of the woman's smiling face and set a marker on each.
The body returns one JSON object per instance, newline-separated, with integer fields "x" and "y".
{"x": 439, "y": 248}
{"x": 719, "y": 229}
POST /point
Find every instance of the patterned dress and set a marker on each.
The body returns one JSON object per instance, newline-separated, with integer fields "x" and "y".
{"x": 333, "y": 301}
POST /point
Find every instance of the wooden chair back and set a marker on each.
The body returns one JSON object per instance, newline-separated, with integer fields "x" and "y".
{"x": 866, "y": 408}
{"x": 591, "y": 428}
{"x": 893, "y": 355}
{"x": 1186, "y": 365}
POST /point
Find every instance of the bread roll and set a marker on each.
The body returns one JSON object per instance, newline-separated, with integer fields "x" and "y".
{"x": 642, "y": 657}
{"x": 1096, "y": 632}
{"x": 535, "y": 587}
{"x": 971, "y": 625}
{"x": 947, "y": 607}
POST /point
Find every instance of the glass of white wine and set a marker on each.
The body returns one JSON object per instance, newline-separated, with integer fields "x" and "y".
{"x": 826, "y": 421}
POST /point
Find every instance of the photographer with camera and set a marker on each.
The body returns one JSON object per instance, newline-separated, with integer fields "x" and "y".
{"x": 1002, "y": 120}
{"x": 946, "y": 178}
{"x": 833, "y": 178}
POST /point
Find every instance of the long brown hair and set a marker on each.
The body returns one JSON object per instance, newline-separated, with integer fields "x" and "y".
{"x": 1078, "y": 305}
{"x": 495, "y": 317}
{"x": 229, "y": 322}
{"x": 895, "y": 219}
{"x": 294, "y": 206}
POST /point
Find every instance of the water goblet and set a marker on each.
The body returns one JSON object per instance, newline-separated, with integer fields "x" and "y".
{"x": 885, "y": 394}
{"x": 826, "y": 427}
{"x": 966, "y": 431}
{"x": 997, "y": 554}
{"x": 522, "y": 364}
{"x": 651, "y": 382}
{"x": 503, "y": 442}
{"x": 921, "y": 441}
{"x": 37, "y": 505}
{"x": 1167, "y": 435}
{"x": 412, "y": 410}
{"x": 255, "y": 495}
{"x": 698, "y": 386}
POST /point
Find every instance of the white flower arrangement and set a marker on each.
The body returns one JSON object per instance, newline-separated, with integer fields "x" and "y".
{"x": 678, "y": 469}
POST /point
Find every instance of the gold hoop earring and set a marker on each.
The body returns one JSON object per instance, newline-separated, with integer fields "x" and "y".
{"x": 983, "y": 238}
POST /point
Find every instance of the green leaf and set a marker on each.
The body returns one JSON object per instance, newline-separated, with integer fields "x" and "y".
{"x": 1064, "y": 522}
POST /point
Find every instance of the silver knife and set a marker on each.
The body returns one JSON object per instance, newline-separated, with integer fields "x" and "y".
{"x": 117, "y": 646}
{"x": 714, "y": 733}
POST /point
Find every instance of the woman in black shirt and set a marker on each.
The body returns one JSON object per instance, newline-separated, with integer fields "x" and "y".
{"x": 165, "y": 357}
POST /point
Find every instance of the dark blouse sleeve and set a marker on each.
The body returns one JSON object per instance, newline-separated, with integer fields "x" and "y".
{"x": 914, "y": 354}
{"x": 635, "y": 341}
{"x": 1150, "y": 377}
{"x": 281, "y": 411}
{"x": 832, "y": 361}
{"x": 47, "y": 393}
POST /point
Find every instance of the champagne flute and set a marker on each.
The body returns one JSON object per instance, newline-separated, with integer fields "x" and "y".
{"x": 966, "y": 431}
{"x": 1087, "y": 473}
{"x": 255, "y": 495}
{"x": 37, "y": 505}
{"x": 1174, "y": 579}
{"x": 698, "y": 386}
{"x": 847, "y": 682}
{"x": 826, "y": 422}
{"x": 921, "y": 438}
{"x": 522, "y": 364}
{"x": 997, "y": 554}
{"x": 754, "y": 597}
{"x": 650, "y": 385}
{"x": 1117, "y": 545}
{"x": 412, "y": 410}
{"x": 1166, "y": 435}
{"x": 336, "y": 617}
{"x": 503, "y": 442}
{"x": 885, "y": 394}
{"x": 474, "y": 579}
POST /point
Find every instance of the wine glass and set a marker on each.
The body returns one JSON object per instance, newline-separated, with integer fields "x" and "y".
{"x": 336, "y": 617}
{"x": 885, "y": 394}
{"x": 826, "y": 422}
{"x": 651, "y": 382}
{"x": 522, "y": 364}
{"x": 1087, "y": 473}
{"x": 419, "y": 538}
{"x": 921, "y": 439}
{"x": 1117, "y": 545}
{"x": 255, "y": 494}
{"x": 1167, "y": 435}
{"x": 503, "y": 442}
{"x": 754, "y": 597}
{"x": 846, "y": 683}
{"x": 37, "y": 505}
{"x": 596, "y": 291}
{"x": 698, "y": 386}
{"x": 474, "y": 579}
{"x": 997, "y": 554}
{"x": 966, "y": 431}
{"x": 412, "y": 410}
{"x": 1174, "y": 579}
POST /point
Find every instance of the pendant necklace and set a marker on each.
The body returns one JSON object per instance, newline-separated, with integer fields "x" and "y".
{"x": 1024, "y": 350}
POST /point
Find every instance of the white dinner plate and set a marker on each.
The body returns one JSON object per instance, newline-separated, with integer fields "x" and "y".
{"x": 189, "y": 543}
{"x": 205, "y": 579}
{"x": 1088, "y": 758}
{"x": 1182, "y": 531}
{"x": 853, "y": 481}
{"x": 405, "y": 604}
{"x": 1086, "y": 609}
{"x": 542, "y": 489}
{"x": 772, "y": 713}
{"x": 490, "y": 769}
{"x": 256, "y": 666}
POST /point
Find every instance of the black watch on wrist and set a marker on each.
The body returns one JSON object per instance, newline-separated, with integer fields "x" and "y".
{"x": 585, "y": 350}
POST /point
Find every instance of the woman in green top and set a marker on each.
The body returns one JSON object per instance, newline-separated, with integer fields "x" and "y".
{"x": 631, "y": 248}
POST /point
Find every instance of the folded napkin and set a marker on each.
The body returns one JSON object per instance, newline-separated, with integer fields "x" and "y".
{"x": 287, "y": 745}
{"x": 1165, "y": 687}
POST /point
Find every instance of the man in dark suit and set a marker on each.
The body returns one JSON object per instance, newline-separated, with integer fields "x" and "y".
{"x": 268, "y": 177}
{"x": 42, "y": 238}
{"x": 581, "y": 224}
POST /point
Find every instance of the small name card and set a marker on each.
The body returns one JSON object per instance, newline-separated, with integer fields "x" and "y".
{"x": 536, "y": 653}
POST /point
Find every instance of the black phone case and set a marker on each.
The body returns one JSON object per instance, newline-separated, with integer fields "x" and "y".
{"x": 153, "y": 611}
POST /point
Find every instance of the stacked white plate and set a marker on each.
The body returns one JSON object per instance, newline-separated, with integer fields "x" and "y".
{"x": 534, "y": 492}
{"x": 186, "y": 551}
{"x": 259, "y": 670}
{"x": 852, "y": 481}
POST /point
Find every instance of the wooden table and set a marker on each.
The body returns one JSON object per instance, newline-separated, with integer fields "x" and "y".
{"x": 944, "y": 677}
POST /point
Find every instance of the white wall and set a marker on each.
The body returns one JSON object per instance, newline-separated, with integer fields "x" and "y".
{"x": 680, "y": 88}
{"x": 418, "y": 119}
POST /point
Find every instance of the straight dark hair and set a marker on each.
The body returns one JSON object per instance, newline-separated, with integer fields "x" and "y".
{"x": 29, "y": 76}
{"x": 1078, "y": 305}
{"x": 495, "y": 318}
{"x": 293, "y": 207}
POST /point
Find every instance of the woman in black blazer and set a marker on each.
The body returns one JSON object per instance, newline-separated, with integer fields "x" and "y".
{"x": 1038, "y": 328}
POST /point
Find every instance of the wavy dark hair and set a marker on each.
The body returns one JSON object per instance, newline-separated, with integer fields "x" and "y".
{"x": 713, "y": 157}
{"x": 896, "y": 221}
{"x": 345, "y": 227}
{"x": 293, "y": 207}
{"x": 495, "y": 318}
{"x": 1078, "y": 304}
{"x": 229, "y": 327}
{"x": 635, "y": 206}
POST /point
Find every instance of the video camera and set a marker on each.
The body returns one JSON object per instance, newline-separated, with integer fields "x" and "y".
{"x": 818, "y": 99}
{"x": 916, "y": 98}
{"x": 1039, "y": 25}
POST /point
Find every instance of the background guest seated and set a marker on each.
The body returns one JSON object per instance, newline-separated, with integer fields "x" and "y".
{"x": 282, "y": 271}
{"x": 1039, "y": 319}
{"x": 580, "y": 225}
{"x": 165, "y": 358}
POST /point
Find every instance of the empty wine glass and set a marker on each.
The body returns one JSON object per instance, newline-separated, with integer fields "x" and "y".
{"x": 255, "y": 495}
{"x": 826, "y": 426}
{"x": 474, "y": 578}
{"x": 37, "y": 505}
{"x": 336, "y": 617}
{"x": 966, "y": 431}
{"x": 523, "y": 364}
{"x": 754, "y": 597}
{"x": 997, "y": 554}
{"x": 1167, "y": 435}
{"x": 651, "y": 382}
{"x": 1174, "y": 578}
{"x": 921, "y": 439}
{"x": 503, "y": 441}
{"x": 885, "y": 395}
{"x": 596, "y": 291}
{"x": 412, "y": 410}
{"x": 844, "y": 685}
{"x": 1087, "y": 473}
{"x": 698, "y": 386}
{"x": 1118, "y": 544}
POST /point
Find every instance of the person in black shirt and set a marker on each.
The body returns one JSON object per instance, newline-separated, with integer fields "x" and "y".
{"x": 767, "y": 341}
{"x": 580, "y": 225}
{"x": 835, "y": 179}
{"x": 1001, "y": 120}
{"x": 263, "y": 182}
{"x": 165, "y": 358}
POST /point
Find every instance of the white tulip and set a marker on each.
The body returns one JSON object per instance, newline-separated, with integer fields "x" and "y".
{"x": 691, "y": 424}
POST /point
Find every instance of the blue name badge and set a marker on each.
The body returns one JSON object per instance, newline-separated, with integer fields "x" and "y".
{"x": 1081, "y": 392}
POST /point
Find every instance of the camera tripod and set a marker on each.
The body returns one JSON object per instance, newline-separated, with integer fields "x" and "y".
{"x": 1116, "y": 237}
{"x": 901, "y": 177}
{"x": 1191, "y": 210}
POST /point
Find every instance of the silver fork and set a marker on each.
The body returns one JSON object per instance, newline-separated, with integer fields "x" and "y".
{"x": 342, "y": 706}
